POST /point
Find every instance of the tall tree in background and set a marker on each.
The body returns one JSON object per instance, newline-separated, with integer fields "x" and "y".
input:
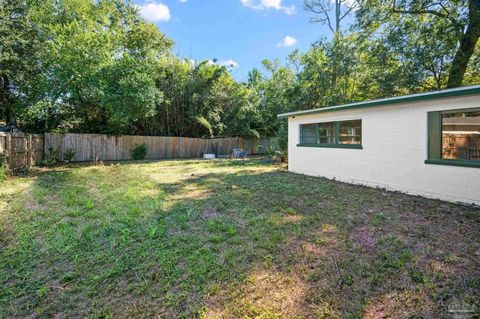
{"x": 335, "y": 18}
{"x": 201, "y": 99}
{"x": 457, "y": 18}
{"x": 79, "y": 65}
{"x": 20, "y": 46}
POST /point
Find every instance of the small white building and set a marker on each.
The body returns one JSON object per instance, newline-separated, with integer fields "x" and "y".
{"x": 424, "y": 144}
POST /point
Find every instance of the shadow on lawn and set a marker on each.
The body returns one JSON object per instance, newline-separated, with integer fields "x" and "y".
{"x": 242, "y": 244}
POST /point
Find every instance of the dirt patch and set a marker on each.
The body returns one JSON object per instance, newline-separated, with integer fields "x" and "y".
{"x": 34, "y": 205}
{"x": 363, "y": 237}
{"x": 209, "y": 212}
{"x": 441, "y": 267}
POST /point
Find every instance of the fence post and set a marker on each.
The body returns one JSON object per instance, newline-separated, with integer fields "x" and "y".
{"x": 29, "y": 151}
{"x": 8, "y": 148}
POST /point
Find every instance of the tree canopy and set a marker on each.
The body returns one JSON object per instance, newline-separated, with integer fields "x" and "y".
{"x": 96, "y": 66}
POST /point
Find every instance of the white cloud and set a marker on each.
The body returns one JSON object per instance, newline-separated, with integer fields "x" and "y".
{"x": 183, "y": 1}
{"x": 265, "y": 5}
{"x": 229, "y": 63}
{"x": 291, "y": 10}
{"x": 155, "y": 12}
{"x": 287, "y": 42}
{"x": 275, "y": 4}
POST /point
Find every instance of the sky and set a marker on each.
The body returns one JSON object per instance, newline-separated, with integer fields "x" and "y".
{"x": 237, "y": 33}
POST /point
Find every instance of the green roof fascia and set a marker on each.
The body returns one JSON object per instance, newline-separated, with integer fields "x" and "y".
{"x": 461, "y": 91}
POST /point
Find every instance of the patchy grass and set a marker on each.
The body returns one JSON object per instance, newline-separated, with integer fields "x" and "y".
{"x": 227, "y": 239}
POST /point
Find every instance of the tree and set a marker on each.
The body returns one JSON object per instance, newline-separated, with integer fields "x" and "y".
{"x": 20, "y": 46}
{"x": 467, "y": 42}
{"x": 93, "y": 71}
{"x": 461, "y": 17}
{"x": 322, "y": 10}
{"x": 323, "y": 14}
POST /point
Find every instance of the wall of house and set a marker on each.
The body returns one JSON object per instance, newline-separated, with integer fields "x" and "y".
{"x": 394, "y": 152}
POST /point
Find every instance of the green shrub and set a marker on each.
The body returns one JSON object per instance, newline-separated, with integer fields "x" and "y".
{"x": 260, "y": 149}
{"x": 69, "y": 155}
{"x": 52, "y": 155}
{"x": 3, "y": 167}
{"x": 139, "y": 152}
{"x": 267, "y": 151}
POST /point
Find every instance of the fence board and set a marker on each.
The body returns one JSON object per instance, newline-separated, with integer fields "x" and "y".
{"x": 3, "y": 142}
{"x": 461, "y": 146}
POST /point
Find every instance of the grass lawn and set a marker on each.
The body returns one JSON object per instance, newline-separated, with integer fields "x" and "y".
{"x": 228, "y": 239}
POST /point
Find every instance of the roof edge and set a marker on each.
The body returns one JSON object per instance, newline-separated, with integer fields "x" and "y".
{"x": 460, "y": 91}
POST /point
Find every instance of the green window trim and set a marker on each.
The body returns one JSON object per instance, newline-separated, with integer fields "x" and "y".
{"x": 337, "y": 132}
{"x": 435, "y": 134}
{"x": 453, "y": 162}
{"x": 333, "y": 140}
{"x": 348, "y": 146}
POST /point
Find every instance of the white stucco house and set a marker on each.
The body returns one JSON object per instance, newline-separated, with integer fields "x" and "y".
{"x": 424, "y": 144}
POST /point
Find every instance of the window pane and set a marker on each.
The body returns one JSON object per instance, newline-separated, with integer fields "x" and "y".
{"x": 351, "y": 132}
{"x": 461, "y": 136}
{"x": 327, "y": 133}
{"x": 308, "y": 133}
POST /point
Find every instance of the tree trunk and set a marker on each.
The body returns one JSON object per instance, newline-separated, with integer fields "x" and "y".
{"x": 335, "y": 58}
{"x": 336, "y": 37}
{"x": 466, "y": 48}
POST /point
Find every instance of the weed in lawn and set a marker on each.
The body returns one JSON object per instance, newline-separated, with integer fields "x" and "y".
{"x": 378, "y": 219}
{"x": 450, "y": 258}
{"x": 418, "y": 277}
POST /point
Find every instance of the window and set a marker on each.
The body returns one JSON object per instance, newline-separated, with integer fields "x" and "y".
{"x": 343, "y": 134}
{"x": 461, "y": 136}
{"x": 454, "y": 138}
{"x": 309, "y": 133}
{"x": 351, "y": 132}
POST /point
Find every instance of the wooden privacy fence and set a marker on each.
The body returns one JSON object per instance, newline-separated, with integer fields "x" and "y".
{"x": 23, "y": 151}
{"x": 92, "y": 147}
{"x": 461, "y": 146}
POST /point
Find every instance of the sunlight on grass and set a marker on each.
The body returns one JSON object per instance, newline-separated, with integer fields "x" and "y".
{"x": 264, "y": 294}
{"x": 9, "y": 195}
{"x": 404, "y": 304}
